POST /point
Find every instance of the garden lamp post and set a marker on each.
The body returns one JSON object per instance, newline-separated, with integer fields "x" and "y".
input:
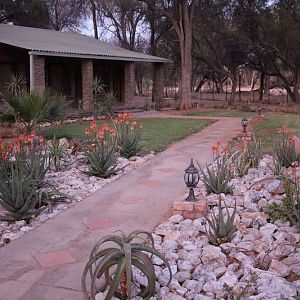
{"x": 191, "y": 179}
{"x": 244, "y": 124}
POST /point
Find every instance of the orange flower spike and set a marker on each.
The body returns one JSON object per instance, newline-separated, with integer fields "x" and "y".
{"x": 87, "y": 131}
{"x": 4, "y": 155}
{"x": 134, "y": 123}
{"x": 21, "y": 137}
{"x": 127, "y": 122}
{"x": 214, "y": 149}
{"x": 101, "y": 134}
{"x": 41, "y": 139}
{"x": 141, "y": 125}
{"x": 33, "y": 134}
{"x": 1, "y": 144}
{"x": 17, "y": 144}
{"x": 225, "y": 150}
{"x": 94, "y": 124}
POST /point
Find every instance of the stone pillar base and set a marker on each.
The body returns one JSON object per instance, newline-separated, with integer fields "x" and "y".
{"x": 245, "y": 136}
{"x": 190, "y": 210}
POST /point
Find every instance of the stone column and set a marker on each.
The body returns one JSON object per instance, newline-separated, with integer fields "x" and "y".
{"x": 37, "y": 73}
{"x": 87, "y": 78}
{"x": 128, "y": 90}
{"x": 158, "y": 83}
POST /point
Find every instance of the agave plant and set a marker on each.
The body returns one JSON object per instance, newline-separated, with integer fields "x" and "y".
{"x": 116, "y": 263}
{"x": 254, "y": 151}
{"x": 221, "y": 230}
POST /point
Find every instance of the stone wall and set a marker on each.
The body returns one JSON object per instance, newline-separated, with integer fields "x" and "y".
{"x": 87, "y": 78}
{"x": 39, "y": 82}
{"x": 128, "y": 84}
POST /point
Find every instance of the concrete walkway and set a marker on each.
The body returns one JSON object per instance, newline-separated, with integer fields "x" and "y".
{"x": 47, "y": 263}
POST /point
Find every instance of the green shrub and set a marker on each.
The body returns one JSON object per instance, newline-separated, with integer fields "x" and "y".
{"x": 129, "y": 135}
{"x": 217, "y": 177}
{"x": 115, "y": 263}
{"x": 289, "y": 209}
{"x": 32, "y": 108}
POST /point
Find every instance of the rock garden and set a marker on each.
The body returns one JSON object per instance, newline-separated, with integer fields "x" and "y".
{"x": 246, "y": 247}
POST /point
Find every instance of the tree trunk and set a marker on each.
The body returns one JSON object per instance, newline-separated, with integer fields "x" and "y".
{"x": 297, "y": 85}
{"x": 261, "y": 88}
{"x": 233, "y": 89}
{"x": 185, "y": 39}
{"x": 94, "y": 14}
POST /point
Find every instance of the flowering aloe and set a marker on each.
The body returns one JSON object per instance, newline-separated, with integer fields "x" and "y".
{"x": 217, "y": 176}
{"x": 23, "y": 166}
{"x": 129, "y": 134}
{"x": 101, "y": 150}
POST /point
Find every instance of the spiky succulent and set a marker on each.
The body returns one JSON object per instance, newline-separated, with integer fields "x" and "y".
{"x": 221, "y": 230}
{"x": 115, "y": 264}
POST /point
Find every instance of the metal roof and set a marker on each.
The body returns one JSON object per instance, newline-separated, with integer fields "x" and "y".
{"x": 68, "y": 44}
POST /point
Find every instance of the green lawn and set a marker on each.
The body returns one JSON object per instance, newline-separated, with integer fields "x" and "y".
{"x": 222, "y": 113}
{"x": 268, "y": 129}
{"x": 157, "y": 133}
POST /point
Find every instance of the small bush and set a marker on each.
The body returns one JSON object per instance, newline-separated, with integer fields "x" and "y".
{"x": 129, "y": 135}
{"x": 100, "y": 150}
{"x": 286, "y": 151}
{"x": 289, "y": 209}
{"x": 217, "y": 177}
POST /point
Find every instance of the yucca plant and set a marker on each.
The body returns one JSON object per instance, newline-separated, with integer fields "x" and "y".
{"x": 217, "y": 177}
{"x": 129, "y": 135}
{"x": 16, "y": 84}
{"x": 221, "y": 229}
{"x": 116, "y": 262}
{"x": 286, "y": 151}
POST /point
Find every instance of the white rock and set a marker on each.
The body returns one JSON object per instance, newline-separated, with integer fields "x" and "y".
{"x": 213, "y": 255}
{"x": 279, "y": 267}
{"x": 176, "y": 219}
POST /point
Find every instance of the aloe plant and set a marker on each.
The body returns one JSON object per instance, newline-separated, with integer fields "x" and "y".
{"x": 216, "y": 178}
{"x": 57, "y": 153}
{"x": 102, "y": 161}
{"x": 115, "y": 264}
{"x": 221, "y": 230}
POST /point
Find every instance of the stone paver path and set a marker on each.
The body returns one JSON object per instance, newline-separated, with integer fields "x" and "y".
{"x": 47, "y": 263}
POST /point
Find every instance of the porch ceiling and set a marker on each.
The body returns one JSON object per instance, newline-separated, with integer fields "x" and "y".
{"x": 68, "y": 44}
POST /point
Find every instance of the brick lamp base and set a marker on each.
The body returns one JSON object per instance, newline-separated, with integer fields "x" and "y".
{"x": 190, "y": 210}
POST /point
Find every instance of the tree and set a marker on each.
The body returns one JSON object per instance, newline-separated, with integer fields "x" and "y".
{"x": 65, "y": 14}
{"x": 180, "y": 14}
{"x": 31, "y": 13}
